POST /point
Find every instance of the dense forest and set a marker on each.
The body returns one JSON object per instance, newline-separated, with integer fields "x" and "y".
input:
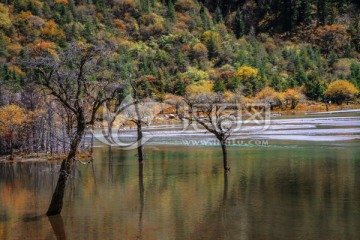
{"x": 283, "y": 50}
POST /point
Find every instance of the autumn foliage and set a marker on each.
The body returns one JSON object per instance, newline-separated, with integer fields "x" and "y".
{"x": 341, "y": 90}
{"x": 12, "y": 120}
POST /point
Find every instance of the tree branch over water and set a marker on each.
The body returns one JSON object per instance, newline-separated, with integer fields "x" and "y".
{"x": 79, "y": 79}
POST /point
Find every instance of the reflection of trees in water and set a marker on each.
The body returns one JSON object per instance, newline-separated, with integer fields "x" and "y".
{"x": 286, "y": 202}
{"x": 34, "y": 176}
{"x": 259, "y": 199}
{"x": 111, "y": 169}
{"x": 142, "y": 199}
{"x": 57, "y": 226}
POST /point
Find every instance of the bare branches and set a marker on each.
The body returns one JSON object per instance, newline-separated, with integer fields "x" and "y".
{"x": 75, "y": 78}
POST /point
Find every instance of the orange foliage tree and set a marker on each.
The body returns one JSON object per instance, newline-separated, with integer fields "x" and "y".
{"x": 12, "y": 120}
{"x": 52, "y": 31}
{"x": 332, "y": 37}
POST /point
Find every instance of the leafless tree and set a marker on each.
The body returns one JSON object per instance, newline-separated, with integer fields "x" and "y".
{"x": 79, "y": 79}
{"x": 212, "y": 112}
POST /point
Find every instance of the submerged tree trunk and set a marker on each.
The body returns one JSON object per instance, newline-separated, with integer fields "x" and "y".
{"x": 57, "y": 226}
{"x": 140, "y": 147}
{"x": 110, "y": 120}
{"x": 139, "y": 135}
{"x": 224, "y": 152}
{"x": 92, "y": 141}
{"x": 65, "y": 170}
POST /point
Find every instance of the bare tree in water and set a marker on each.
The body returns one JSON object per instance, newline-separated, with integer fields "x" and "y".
{"x": 214, "y": 114}
{"x": 81, "y": 81}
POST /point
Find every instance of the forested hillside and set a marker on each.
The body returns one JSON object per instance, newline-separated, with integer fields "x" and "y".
{"x": 281, "y": 44}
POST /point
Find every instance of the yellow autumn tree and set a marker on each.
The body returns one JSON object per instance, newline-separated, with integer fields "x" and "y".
{"x": 340, "y": 91}
{"x": 204, "y": 87}
{"x": 5, "y": 21}
{"x": 12, "y": 119}
{"x": 200, "y": 52}
{"x": 195, "y": 75}
{"x": 246, "y": 72}
{"x": 266, "y": 95}
{"x": 269, "y": 95}
{"x": 293, "y": 96}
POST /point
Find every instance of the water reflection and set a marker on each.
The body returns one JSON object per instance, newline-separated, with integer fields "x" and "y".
{"x": 142, "y": 199}
{"x": 300, "y": 192}
{"x": 111, "y": 159}
{"x": 57, "y": 226}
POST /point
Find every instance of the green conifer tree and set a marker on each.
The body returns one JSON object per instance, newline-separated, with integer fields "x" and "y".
{"x": 355, "y": 74}
{"x": 219, "y": 85}
{"x": 218, "y": 15}
{"x": 205, "y": 19}
{"x": 145, "y": 6}
{"x": 171, "y": 10}
{"x": 333, "y": 58}
{"x": 239, "y": 26}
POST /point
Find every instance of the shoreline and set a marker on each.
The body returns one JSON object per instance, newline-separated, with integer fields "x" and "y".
{"x": 57, "y": 158}
{"x": 41, "y": 157}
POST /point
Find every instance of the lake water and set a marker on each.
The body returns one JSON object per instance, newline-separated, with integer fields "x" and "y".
{"x": 298, "y": 180}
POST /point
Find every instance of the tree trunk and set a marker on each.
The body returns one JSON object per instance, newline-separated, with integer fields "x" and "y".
{"x": 92, "y": 141}
{"x": 139, "y": 135}
{"x": 110, "y": 120}
{"x": 223, "y": 147}
{"x": 11, "y": 149}
{"x": 140, "y": 147}
{"x": 66, "y": 169}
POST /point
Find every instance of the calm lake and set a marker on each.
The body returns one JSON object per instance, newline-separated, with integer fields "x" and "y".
{"x": 297, "y": 180}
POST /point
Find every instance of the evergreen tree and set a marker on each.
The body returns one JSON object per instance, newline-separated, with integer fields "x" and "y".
{"x": 218, "y": 15}
{"x": 333, "y": 58}
{"x": 213, "y": 47}
{"x": 219, "y": 85}
{"x": 275, "y": 83}
{"x": 348, "y": 51}
{"x": 239, "y": 26}
{"x": 179, "y": 87}
{"x": 355, "y": 74}
{"x": 152, "y": 3}
{"x": 314, "y": 87}
{"x": 205, "y": 19}
{"x": 3, "y": 45}
{"x": 171, "y": 10}
{"x": 323, "y": 8}
{"x": 304, "y": 12}
{"x": 46, "y": 9}
{"x": 145, "y": 6}
{"x": 74, "y": 32}
{"x": 73, "y": 9}
{"x": 300, "y": 77}
{"x": 181, "y": 62}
